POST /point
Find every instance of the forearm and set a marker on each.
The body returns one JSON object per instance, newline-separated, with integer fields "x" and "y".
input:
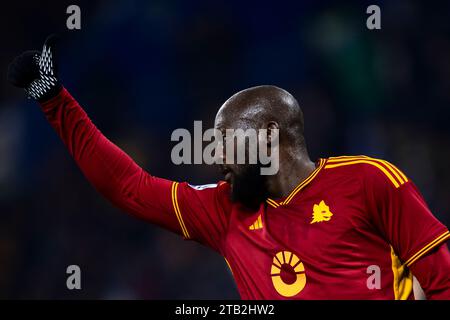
{"x": 433, "y": 273}
{"x": 110, "y": 170}
{"x": 106, "y": 166}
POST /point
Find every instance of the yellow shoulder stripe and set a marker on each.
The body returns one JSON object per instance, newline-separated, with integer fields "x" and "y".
{"x": 176, "y": 208}
{"x": 393, "y": 173}
{"x": 400, "y": 175}
{"x": 443, "y": 237}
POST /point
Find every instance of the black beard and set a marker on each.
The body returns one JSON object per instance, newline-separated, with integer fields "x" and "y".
{"x": 249, "y": 187}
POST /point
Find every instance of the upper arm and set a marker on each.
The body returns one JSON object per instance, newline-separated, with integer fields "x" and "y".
{"x": 433, "y": 273}
{"x": 197, "y": 213}
{"x": 202, "y": 211}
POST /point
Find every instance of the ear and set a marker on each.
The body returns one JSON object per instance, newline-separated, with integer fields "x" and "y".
{"x": 272, "y": 130}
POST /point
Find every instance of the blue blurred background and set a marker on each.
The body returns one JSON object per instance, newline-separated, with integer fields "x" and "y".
{"x": 144, "y": 68}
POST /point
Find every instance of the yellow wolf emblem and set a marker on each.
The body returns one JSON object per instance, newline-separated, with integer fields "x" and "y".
{"x": 321, "y": 212}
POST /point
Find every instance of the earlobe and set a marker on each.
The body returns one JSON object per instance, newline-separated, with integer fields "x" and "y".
{"x": 272, "y": 127}
{"x": 272, "y": 132}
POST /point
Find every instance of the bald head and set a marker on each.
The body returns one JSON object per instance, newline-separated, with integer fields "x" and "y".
{"x": 277, "y": 112}
{"x": 261, "y": 107}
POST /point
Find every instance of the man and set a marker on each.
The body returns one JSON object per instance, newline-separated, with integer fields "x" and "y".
{"x": 349, "y": 227}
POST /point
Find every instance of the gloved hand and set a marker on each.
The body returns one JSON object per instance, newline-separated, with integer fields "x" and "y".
{"x": 36, "y": 72}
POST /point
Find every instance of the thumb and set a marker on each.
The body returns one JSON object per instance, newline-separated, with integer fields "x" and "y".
{"x": 47, "y": 62}
{"x": 51, "y": 41}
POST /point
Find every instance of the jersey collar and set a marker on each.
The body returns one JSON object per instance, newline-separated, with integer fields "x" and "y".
{"x": 299, "y": 187}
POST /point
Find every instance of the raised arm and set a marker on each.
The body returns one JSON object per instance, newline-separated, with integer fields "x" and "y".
{"x": 110, "y": 170}
{"x": 198, "y": 213}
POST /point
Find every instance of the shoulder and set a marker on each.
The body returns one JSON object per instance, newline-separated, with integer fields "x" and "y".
{"x": 220, "y": 187}
{"x": 369, "y": 169}
{"x": 213, "y": 193}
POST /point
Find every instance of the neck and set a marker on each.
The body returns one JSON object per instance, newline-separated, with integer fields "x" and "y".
{"x": 295, "y": 166}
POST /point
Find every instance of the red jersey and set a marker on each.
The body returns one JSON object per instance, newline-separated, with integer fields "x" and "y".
{"x": 350, "y": 230}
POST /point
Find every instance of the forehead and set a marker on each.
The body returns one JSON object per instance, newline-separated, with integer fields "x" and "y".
{"x": 225, "y": 118}
{"x": 221, "y": 120}
{"x": 240, "y": 111}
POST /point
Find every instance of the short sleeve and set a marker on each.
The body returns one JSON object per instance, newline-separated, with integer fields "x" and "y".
{"x": 202, "y": 211}
{"x": 398, "y": 209}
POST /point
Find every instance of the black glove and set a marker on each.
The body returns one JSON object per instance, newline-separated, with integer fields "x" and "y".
{"x": 36, "y": 72}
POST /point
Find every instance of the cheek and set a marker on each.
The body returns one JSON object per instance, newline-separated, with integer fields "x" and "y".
{"x": 237, "y": 169}
{"x": 241, "y": 170}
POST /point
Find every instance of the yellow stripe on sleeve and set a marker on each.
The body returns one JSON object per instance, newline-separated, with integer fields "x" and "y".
{"x": 397, "y": 173}
{"x": 443, "y": 237}
{"x": 176, "y": 208}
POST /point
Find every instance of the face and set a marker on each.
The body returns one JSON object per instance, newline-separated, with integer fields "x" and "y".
{"x": 248, "y": 186}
